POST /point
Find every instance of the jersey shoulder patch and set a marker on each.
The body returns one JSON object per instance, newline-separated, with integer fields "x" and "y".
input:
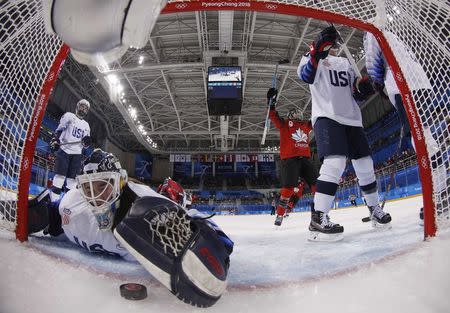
{"x": 72, "y": 202}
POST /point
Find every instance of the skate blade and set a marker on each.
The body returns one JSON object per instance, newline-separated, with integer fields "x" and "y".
{"x": 322, "y": 237}
{"x": 379, "y": 226}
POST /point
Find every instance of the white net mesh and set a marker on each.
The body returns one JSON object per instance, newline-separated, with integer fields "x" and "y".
{"x": 423, "y": 29}
{"x": 171, "y": 229}
{"x": 422, "y": 26}
{"x": 26, "y": 54}
{"x": 417, "y": 33}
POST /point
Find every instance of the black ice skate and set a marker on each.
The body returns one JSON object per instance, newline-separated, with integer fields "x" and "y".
{"x": 278, "y": 220}
{"x": 379, "y": 218}
{"x": 322, "y": 229}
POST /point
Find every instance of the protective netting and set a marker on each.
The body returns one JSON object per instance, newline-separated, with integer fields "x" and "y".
{"x": 417, "y": 32}
{"x": 171, "y": 228}
{"x": 26, "y": 54}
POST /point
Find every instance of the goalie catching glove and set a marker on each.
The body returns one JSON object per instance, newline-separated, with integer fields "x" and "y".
{"x": 188, "y": 254}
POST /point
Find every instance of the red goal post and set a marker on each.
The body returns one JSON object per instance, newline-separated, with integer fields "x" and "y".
{"x": 30, "y": 61}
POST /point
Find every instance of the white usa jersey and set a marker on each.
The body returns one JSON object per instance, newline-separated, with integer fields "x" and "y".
{"x": 81, "y": 226}
{"x": 332, "y": 91}
{"x": 73, "y": 130}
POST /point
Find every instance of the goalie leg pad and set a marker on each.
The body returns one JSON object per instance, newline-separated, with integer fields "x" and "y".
{"x": 188, "y": 255}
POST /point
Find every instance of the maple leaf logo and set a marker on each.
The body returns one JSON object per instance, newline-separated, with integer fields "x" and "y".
{"x": 299, "y": 136}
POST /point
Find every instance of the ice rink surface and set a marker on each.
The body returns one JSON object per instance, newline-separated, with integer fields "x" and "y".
{"x": 272, "y": 270}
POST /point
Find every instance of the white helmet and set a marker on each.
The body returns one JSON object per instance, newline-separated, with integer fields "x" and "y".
{"x": 82, "y": 109}
{"x": 101, "y": 184}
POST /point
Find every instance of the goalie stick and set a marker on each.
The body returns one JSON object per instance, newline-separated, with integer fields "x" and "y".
{"x": 70, "y": 143}
{"x": 274, "y": 85}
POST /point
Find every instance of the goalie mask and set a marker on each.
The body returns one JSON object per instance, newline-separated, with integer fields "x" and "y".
{"x": 82, "y": 109}
{"x": 101, "y": 184}
{"x": 172, "y": 190}
{"x": 295, "y": 114}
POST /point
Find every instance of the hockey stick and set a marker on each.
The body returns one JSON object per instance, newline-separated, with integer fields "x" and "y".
{"x": 391, "y": 177}
{"x": 274, "y": 85}
{"x": 70, "y": 143}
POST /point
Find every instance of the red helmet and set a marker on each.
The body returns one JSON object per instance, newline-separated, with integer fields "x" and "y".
{"x": 172, "y": 190}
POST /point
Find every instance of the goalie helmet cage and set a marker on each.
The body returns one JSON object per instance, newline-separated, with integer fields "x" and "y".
{"x": 30, "y": 61}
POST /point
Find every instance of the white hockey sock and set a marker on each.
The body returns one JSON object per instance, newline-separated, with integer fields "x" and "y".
{"x": 330, "y": 172}
{"x": 58, "y": 181}
{"x": 323, "y": 202}
{"x": 372, "y": 199}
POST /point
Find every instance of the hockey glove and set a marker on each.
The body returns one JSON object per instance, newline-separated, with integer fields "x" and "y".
{"x": 272, "y": 98}
{"x": 320, "y": 48}
{"x": 86, "y": 141}
{"x": 187, "y": 254}
{"x": 54, "y": 144}
{"x": 362, "y": 88}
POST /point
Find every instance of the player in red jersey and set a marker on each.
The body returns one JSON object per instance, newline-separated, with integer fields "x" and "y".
{"x": 294, "y": 153}
{"x": 298, "y": 193}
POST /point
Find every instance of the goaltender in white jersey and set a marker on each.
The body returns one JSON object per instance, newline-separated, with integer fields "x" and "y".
{"x": 184, "y": 250}
{"x": 81, "y": 226}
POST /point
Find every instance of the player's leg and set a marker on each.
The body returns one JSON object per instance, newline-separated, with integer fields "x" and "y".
{"x": 289, "y": 176}
{"x": 332, "y": 149}
{"x": 309, "y": 174}
{"x": 61, "y": 167}
{"x": 327, "y": 184}
{"x": 296, "y": 195}
{"x": 73, "y": 170}
{"x": 364, "y": 169}
{"x": 398, "y": 104}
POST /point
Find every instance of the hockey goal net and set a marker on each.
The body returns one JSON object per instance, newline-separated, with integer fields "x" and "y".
{"x": 30, "y": 61}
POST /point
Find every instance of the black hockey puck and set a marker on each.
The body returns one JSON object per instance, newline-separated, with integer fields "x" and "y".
{"x": 132, "y": 291}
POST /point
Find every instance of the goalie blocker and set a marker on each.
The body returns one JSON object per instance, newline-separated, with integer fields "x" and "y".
{"x": 187, "y": 254}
